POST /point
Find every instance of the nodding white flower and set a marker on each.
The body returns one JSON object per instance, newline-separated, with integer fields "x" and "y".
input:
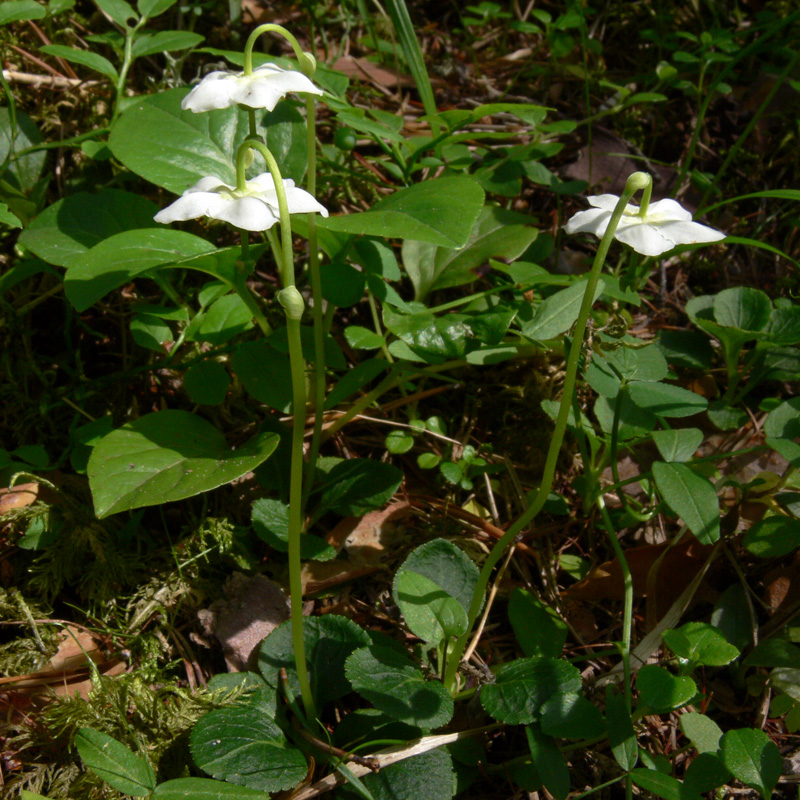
{"x": 665, "y": 225}
{"x": 253, "y": 209}
{"x": 263, "y": 88}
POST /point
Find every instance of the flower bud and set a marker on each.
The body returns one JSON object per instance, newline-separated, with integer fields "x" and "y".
{"x": 292, "y": 302}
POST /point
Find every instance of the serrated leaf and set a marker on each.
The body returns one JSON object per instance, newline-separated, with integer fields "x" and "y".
{"x": 396, "y": 686}
{"x": 167, "y": 456}
{"x": 329, "y": 640}
{"x": 691, "y": 497}
{"x": 240, "y": 744}
{"x": 114, "y": 763}
{"x": 120, "y": 258}
{"x": 524, "y": 685}
{"x": 661, "y": 691}
{"x": 441, "y": 211}
{"x": 753, "y": 758}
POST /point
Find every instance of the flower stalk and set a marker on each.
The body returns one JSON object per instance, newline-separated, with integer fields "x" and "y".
{"x": 638, "y": 181}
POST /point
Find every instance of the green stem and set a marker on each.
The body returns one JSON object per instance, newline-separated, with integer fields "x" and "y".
{"x": 127, "y": 60}
{"x": 306, "y": 61}
{"x": 292, "y": 303}
{"x": 636, "y": 182}
{"x": 627, "y": 614}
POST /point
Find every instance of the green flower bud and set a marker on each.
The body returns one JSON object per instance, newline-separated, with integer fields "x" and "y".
{"x": 292, "y": 302}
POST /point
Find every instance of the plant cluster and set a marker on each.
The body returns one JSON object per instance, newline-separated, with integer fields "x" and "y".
{"x": 240, "y": 326}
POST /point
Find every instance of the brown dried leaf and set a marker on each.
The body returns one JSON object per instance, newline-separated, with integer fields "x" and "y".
{"x": 364, "y": 70}
{"x": 19, "y": 496}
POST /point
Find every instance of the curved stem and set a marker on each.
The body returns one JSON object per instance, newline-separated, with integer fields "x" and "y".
{"x": 306, "y": 61}
{"x": 637, "y": 181}
{"x": 292, "y": 303}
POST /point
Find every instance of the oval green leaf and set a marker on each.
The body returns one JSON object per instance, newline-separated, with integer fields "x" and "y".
{"x": 661, "y": 691}
{"x": 753, "y": 758}
{"x": 167, "y": 456}
{"x": 691, "y": 497}
{"x": 114, "y": 763}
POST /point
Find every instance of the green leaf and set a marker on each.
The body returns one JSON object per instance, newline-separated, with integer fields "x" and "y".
{"x": 167, "y": 456}
{"x": 359, "y": 485}
{"x": 329, "y": 640}
{"x": 787, "y": 680}
{"x": 549, "y": 762}
{"x": 743, "y": 308}
{"x": 634, "y": 421}
{"x": 205, "y": 789}
{"x": 441, "y": 211}
{"x": 691, "y": 497}
{"x": 342, "y": 284}
{"x": 173, "y": 148}
{"x": 240, "y": 744}
{"x": 559, "y": 312}
{"x": 118, "y": 10}
{"x": 666, "y": 400}
{"x": 772, "y": 537}
{"x": 8, "y": 217}
{"x": 151, "y": 332}
{"x": 497, "y": 233}
{"x": 701, "y": 644}
{"x": 152, "y": 8}
{"x": 428, "y": 776}
{"x": 207, "y": 383}
{"x": 659, "y": 784}
{"x": 537, "y": 627}
{"x": 265, "y": 374}
{"x": 70, "y": 227}
{"x": 398, "y": 442}
{"x": 690, "y": 349}
{"x": 701, "y": 731}
{"x": 774, "y": 653}
{"x": 661, "y": 691}
{"x": 571, "y": 716}
{"x": 678, "y": 445}
{"x": 16, "y": 10}
{"x": 225, "y": 318}
{"x": 396, "y": 686}
{"x": 524, "y": 685}
{"x": 638, "y": 363}
{"x": 621, "y": 735}
{"x": 270, "y": 519}
{"x": 753, "y": 758}
{"x": 705, "y": 773}
{"x": 120, "y": 258}
{"x": 149, "y": 44}
{"x": 122, "y": 769}
{"x": 362, "y": 338}
{"x": 784, "y": 325}
{"x": 783, "y": 422}
{"x": 429, "y": 611}
{"x": 83, "y": 57}
{"x": 23, "y": 172}
{"x": 450, "y": 575}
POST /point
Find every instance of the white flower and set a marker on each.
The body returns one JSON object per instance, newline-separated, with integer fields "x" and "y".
{"x": 254, "y": 209}
{"x": 262, "y": 89}
{"x": 665, "y": 225}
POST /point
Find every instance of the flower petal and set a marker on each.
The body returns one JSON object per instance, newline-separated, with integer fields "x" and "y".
{"x": 594, "y": 220}
{"x": 643, "y": 238}
{"x": 609, "y": 202}
{"x": 682, "y": 232}
{"x": 668, "y": 208}
{"x": 214, "y": 91}
{"x": 190, "y": 206}
{"x": 248, "y": 213}
{"x": 210, "y": 183}
{"x": 302, "y": 202}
